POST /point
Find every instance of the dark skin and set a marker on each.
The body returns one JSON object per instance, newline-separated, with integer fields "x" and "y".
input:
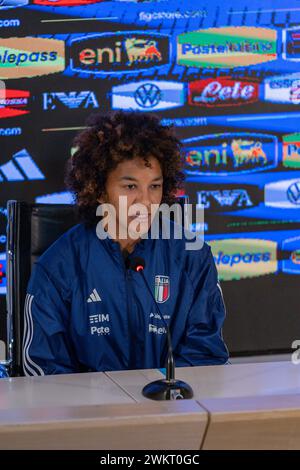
{"x": 141, "y": 184}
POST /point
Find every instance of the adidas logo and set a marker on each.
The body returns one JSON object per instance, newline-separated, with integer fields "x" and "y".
{"x": 94, "y": 297}
{"x": 20, "y": 168}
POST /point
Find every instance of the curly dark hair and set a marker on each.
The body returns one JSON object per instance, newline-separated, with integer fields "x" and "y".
{"x": 111, "y": 139}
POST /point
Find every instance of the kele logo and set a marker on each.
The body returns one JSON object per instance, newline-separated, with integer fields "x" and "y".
{"x": 30, "y": 57}
{"x": 214, "y": 92}
{"x": 129, "y": 51}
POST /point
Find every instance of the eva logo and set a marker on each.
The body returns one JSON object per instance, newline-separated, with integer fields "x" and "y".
{"x": 30, "y": 57}
{"x": 240, "y": 258}
{"x": 214, "y": 92}
{"x": 129, "y": 51}
{"x": 71, "y": 99}
{"x": 227, "y": 47}
{"x": 223, "y": 154}
{"x": 226, "y": 199}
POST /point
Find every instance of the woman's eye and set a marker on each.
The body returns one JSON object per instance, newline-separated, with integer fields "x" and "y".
{"x": 156, "y": 186}
{"x": 130, "y": 186}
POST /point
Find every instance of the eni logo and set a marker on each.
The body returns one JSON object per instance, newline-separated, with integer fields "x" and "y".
{"x": 223, "y": 154}
{"x": 130, "y": 51}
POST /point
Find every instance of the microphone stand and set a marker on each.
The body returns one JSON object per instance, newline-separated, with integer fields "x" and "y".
{"x": 168, "y": 388}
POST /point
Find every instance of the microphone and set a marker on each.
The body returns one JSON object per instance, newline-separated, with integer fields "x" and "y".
{"x": 168, "y": 388}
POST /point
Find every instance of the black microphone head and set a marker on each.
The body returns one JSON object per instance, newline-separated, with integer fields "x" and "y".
{"x": 137, "y": 264}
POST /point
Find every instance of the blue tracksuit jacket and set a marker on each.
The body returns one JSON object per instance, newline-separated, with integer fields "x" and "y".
{"x": 85, "y": 311}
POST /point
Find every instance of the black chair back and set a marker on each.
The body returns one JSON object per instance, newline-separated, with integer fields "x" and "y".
{"x": 31, "y": 229}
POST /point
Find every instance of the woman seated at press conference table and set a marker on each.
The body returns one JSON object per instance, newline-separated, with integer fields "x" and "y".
{"x": 84, "y": 309}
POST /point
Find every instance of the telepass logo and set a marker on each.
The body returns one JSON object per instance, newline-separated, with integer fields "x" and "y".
{"x": 30, "y": 57}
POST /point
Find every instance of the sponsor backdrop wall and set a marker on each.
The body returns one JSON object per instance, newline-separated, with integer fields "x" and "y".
{"x": 225, "y": 73}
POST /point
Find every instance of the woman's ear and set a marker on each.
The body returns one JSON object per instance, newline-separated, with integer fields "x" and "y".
{"x": 102, "y": 198}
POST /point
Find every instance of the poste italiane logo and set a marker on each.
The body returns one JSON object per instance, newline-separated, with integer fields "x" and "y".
{"x": 227, "y": 47}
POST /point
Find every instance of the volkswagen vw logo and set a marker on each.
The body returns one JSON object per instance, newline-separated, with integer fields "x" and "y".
{"x": 147, "y": 95}
{"x": 293, "y": 193}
